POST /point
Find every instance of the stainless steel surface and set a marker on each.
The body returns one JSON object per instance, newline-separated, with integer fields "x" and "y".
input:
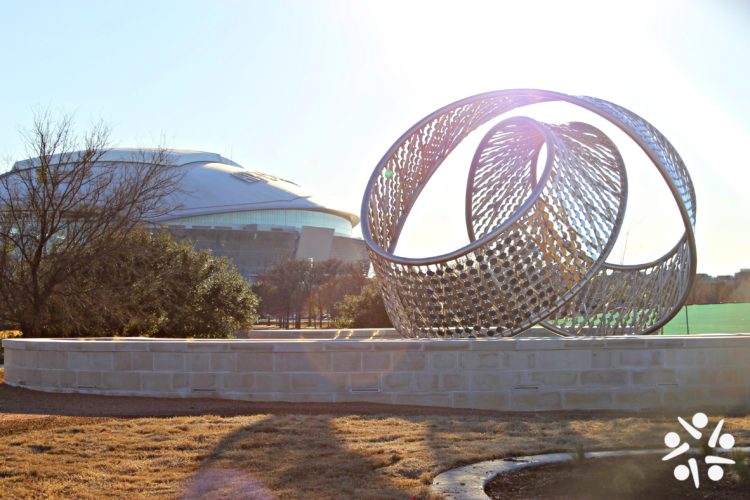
{"x": 539, "y": 240}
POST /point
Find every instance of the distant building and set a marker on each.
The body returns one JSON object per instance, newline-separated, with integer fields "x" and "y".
{"x": 255, "y": 219}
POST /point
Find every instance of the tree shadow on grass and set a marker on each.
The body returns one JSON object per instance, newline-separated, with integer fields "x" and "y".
{"x": 289, "y": 456}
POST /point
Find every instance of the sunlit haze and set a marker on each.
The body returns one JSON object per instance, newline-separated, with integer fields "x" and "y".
{"x": 317, "y": 91}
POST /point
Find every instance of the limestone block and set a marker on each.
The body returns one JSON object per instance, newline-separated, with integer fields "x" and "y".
{"x": 89, "y": 378}
{"x": 78, "y": 360}
{"x": 51, "y": 345}
{"x": 302, "y": 362}
{"x": 684, "y": 357}
{"x": 726, "y": 357}
{"x": 254, "y": 362}
{"x": 535, "y": 400}
{"x": 682, "y": 398}
{"x": 347, "y": 361}
{"x": 519, "y": 360}
{"x": 222, "y": 362}
{"x": 478, "y": 360}
{"x": 493, "y": 381}
{"x": 408, "y": 360}
{"x": 364, "y": 397}
{"x": 142, "y": 361}
{"x": 452, "y": 345}
{"x": 49, "y": 378}
{"x": 169, "y": 361}
{"x": 666, "y": 342}
{"x": 128, "y": 381}
{"x": 31, "y": 377}
{"x": 605, "y": 359}
{"x": 272, "y": 382}
{"x": 566, "y": 378}
{"x": 181, "y": 382}
{"x": 311, "y": 397}
{"x": 117, "y": 344}
{"x": 719, "y": 341}
{"x": 397, "y": 382}
{"x": 489, "y": 400}
{"x": 14, "y": 357}
{"x": 156, "y": 382}
{"x": 376, "y": 361}
{"x": 300, "y": 346}
{"x": 364, "y": 380}
{"x": 564, "y": 360}
{"x": 207, "y": 346}
{"x": 197, "y": 362}
{"x": 427, "y": 382}
{"x": 638, "y": 399}
{"x": 538, "y": 344}
{"x": 454, "y": 381}
{"x": 122, "y": 361}
{"x": 625, "y": 342}
{"x": 712, "y": 376}
{"x": 653, "y": 377}
{"x": 167, "y": 346}
{"x": 423, "y": 399}
{"x": 29, "y": 358}
{"x": 237, "y": 381}
{"x": 318, "y": 382}
{"x": 443, "y": 360}
{"x": 593, "y": 343}
{"x": 399, "y": 345}
{"x": 588, "y": 399}
{"x": 348, "y": 345}
{"x": 68, "y": 379}
{"x": 253, "y": 346}
{"x": 494, "y": 345}
{"x": 203, "y": 381}
{"x": 52, "y": 360}
{"x": 13, "y": 374}
{"x": 462, "y": 400}
{"x": 641, "y": 358}
{"x": 734, "y": 399}
{"x": 604, "y": 377}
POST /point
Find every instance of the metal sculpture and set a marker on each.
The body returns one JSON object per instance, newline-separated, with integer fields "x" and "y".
{"x": 538, "y": 240}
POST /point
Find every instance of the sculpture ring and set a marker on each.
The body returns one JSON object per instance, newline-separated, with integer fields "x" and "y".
{"x": 539, "y": 235}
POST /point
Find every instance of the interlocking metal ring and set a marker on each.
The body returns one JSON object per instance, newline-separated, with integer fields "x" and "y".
{"x": 538, "y": 240}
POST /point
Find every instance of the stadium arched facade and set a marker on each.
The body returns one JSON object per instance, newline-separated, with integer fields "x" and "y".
{"x": 255, "y": 219}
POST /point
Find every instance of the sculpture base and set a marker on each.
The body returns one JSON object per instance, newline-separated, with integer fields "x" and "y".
{"x": 520, "y": 374}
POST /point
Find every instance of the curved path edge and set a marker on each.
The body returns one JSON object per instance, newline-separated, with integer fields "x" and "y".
{"x": 468, "y": 482}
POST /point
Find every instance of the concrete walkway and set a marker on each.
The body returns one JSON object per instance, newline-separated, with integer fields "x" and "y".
{"x": 468, "y": 482}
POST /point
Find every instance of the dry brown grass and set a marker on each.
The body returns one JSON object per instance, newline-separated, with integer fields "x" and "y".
{"x": 288, "y": 455}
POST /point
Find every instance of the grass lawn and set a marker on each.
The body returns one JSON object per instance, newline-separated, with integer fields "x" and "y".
{"x": 288, "y": 455}
{"x": 711, "y": 318}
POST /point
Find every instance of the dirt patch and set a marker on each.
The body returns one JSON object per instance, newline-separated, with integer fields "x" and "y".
{"x": 643, "y": 478}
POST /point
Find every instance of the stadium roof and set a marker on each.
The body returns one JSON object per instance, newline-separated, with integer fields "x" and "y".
{"x": 212, "y": 184}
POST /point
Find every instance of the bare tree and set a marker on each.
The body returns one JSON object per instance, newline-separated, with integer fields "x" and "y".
{"x": 66, "y": 207}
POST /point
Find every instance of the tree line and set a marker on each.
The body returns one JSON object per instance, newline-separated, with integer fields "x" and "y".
{"x": 719, "y": 290}
{"x": 76, "y": 258}
{"x": 325, "y": 293}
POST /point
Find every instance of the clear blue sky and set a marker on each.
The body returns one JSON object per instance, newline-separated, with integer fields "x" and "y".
{"x": 316, "y": 91}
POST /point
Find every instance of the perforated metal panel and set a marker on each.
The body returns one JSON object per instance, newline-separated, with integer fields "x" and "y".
{"x": 539, "y": 239}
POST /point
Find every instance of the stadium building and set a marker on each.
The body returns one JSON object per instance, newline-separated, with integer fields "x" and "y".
{"x": 254, "y": 218}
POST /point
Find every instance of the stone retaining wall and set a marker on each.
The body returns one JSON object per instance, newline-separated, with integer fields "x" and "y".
{"x": 522, "y": 374}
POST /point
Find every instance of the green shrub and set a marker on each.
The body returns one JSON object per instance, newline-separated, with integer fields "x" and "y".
{"x": 365, "y": 310}
{"x": 155, "y": 286}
